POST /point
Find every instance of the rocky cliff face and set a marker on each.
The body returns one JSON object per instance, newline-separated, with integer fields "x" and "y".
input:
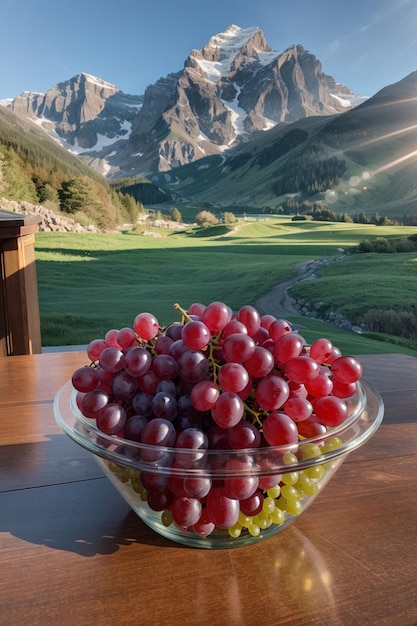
{"x": 234, "y": 87}
{"x": 85, "y": 114}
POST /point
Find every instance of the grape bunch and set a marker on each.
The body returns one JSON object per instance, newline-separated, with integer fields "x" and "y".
{"x": 218, "y": 380}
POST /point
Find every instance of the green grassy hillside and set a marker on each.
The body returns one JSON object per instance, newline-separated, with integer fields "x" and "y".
{"x": 366, "y": 157}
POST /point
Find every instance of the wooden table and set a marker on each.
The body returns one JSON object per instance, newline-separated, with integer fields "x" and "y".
{"x": 72, "y": 553}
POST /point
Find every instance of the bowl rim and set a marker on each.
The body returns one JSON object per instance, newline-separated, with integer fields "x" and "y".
{"x": 364, "y": 420}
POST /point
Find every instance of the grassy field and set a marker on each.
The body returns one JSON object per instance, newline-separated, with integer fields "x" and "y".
{"x": 89, "y": 283}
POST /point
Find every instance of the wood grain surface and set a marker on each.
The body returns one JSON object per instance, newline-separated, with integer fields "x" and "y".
{"x": 72, "y": 552}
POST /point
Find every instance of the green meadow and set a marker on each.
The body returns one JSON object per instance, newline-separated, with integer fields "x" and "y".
{"x": 89, "y": 283}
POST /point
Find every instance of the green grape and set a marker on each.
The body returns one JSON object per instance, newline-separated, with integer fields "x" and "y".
{"x": 254, "y": 530}
{"x": 289, "y": 458}
{"x": 244, "y": 520}
{"x": 277, "y": 516}
{"x": 166, "y": 517}
{"x": 274, "y": 492}
{"x": 235, "y": 531}
{"x": 290, "y": 493}
{"x": 332, "y": 444}
{"x": 115, "y": 468}
{"x": 281, "y": 503}
{"x": 306, "y": 485}
{"x": 290, "y": 478}
{"x": 268, "y": 505}
{"x": 294, "y": 507}
{"x": 316, "y": 471}
{"x": 311, "y": 451}
{"x": 137, "y": 485}
{"x": 262, "y": 520}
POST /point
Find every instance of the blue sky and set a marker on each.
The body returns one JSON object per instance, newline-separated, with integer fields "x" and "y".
{"x": 363, "y": 44}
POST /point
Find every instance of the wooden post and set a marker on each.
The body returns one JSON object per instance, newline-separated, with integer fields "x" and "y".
{"x": 19, "y": 305}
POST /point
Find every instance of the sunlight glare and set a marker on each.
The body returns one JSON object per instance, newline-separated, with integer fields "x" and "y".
{"x": 394, "y": 162}
{"x": 331, "y": 196}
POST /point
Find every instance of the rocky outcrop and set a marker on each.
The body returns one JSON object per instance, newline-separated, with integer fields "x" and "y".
{"x": 50, "y": 221}
{"x": 319, "y": 309}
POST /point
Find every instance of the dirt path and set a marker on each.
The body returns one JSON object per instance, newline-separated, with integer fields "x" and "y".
{"x": 278, "y": 301}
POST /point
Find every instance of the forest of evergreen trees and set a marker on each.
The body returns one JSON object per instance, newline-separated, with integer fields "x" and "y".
{"x": 35, "y": 169}
{"x": 305, "y": 209}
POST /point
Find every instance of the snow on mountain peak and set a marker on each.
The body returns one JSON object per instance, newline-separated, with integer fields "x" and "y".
{"x": 221, "y": 50}
{"x": 95, "y": 80}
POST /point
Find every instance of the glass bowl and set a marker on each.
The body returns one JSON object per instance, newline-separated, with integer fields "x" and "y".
{"x": 289, "y": 478}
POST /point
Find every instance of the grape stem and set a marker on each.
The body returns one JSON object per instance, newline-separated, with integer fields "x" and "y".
{"x": 186, "y": 317}
{"x": 213, "y": 345}
{"x": 255, "y": 414}
{"x": 215, "y": 368}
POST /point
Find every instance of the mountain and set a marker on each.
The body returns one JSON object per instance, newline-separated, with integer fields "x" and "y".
{"x": 231, "y": 91}
{"x": 87, "y": 115}
{"x": 36, "y": 169}
{"x": 240, "y": 126}
{"x": 363, "y": 160}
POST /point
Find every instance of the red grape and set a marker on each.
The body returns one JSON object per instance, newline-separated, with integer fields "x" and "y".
{"x": 287, "y": 347}
{"x": 253, "y": 505}
{"x": 85, "y": 379}
{"x": 321, "y": 385}
{"x": 279, "y": 429}
{"x": 134, "y": 426}
{"x": 93, "y": 402}
{"x": 278, "y": 328}
{"x": 301, "y": 369}
{"x": 272, "y": 392}
{"x": 111, "y": 419}
{"x": 111, "y": 359}
{"x": 137, "y": 361}
{"x": 260, "y": 363}
{"x": 298, "y": 409}
{"x": 164, "y": 366}
{"x": 228, "y": 410}
{"x": 204, "y": 526}
{"x": 185, "y": 511}
{"x": 146, "y": 326}
{"x": 233, "y": 377}
{"x": 321, "y": 350}
{"x": 231, "y": 328}
{"x": 243, "y": 435}
{"x": 222, "y": 510}
{"x": 266, "y": 321}
{"x": 238, "y": 347}
{"x": 197, "y": 486}
{"x": 111, "y": 338}
{"x": 331, "y": 411}
{"x": 347, "y": 369}
{"x": 250, "y": 317}
{"x": 195, "y": 335}
{"x": 126, "y": 337}
{"x": 193, "y": 366}
{"x": 196, "y": 309}
{"x": 204, "y": 395}
{"x": 240, "y": 487}
{"x": 95, "y": 348}
{"x": 215, "y": 316}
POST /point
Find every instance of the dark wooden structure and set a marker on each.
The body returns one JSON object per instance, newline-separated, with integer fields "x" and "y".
{"x": 19, "y": 305}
